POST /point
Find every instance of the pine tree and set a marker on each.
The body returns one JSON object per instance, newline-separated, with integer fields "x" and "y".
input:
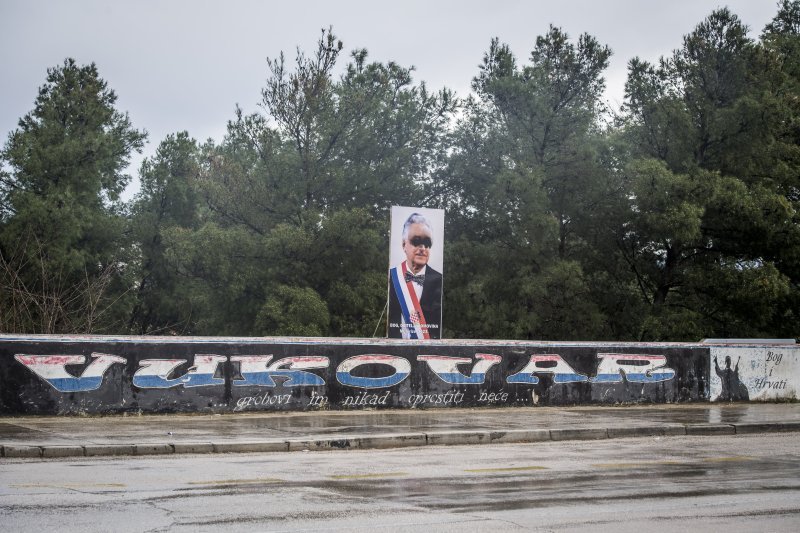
{"x": 62, "y": 223}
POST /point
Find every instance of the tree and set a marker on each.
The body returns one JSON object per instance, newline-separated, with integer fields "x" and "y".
{"x": 61, "y": 217}
{"x": 707, "y": 218}
{"x": 167, "y": 199}
{"x": 297, "y": 197}
{"x": 781, "y": 59}
{"x": 550, "y": 109}
{"x": 370, "y": 138}
{"x": 522, "y": 178}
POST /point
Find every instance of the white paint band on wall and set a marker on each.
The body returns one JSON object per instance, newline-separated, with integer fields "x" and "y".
{"x": 757, "y": 373}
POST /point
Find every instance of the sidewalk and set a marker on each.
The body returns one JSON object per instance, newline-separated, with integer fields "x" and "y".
{"x": 272, "y": 432}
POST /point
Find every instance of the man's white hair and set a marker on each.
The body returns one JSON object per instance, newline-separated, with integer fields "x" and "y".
{"x": 415, "y": 218}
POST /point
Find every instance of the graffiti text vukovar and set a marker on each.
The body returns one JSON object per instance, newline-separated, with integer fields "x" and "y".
{"x": 53, "y": 369}
{"x": 256, "y": 370}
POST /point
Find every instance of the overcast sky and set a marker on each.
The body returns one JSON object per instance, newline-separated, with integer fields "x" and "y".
{"x": 185, "y": 64}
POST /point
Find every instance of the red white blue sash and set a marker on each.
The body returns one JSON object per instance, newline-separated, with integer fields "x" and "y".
{"x": 414, "y": 325}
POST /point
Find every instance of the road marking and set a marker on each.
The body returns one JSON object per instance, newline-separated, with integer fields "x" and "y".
{"x": 237, "y": 481}
{"x": 507, "y": 469}
{"x": 367, "y": 476}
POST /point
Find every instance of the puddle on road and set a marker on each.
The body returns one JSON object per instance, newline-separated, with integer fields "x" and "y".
{"x": 14, "y": 431}
{"x": 532, "y": 487}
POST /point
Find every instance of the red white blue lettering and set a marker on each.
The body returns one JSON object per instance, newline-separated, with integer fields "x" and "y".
{"x": 154, "y": 373}
{"x": 52, "y": 369}
{"x": 547, "y": 364}
{"x": 401, "y": 366}
{"x": 446, "y": 368}
{"x": 635, "y": 368}
{"x": 256, "y": 370}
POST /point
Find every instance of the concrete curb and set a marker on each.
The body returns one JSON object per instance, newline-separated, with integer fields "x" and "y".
{"x": 710, "y": 429}
{"x": 761, "y": 427}
{"x": 249, "y": 447}
{"x": 393, "y": 440}
{"x": 579, "y": 434}
{"x": 106, "y": 450}
{"x": 647, "y": 431}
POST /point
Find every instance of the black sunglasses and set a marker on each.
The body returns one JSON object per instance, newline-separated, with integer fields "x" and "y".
{"x": 421, "y": 241}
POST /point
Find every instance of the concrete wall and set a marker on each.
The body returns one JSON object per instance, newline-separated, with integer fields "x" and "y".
{"x": 71, "y": 375}
{"x": 755, "y": 373}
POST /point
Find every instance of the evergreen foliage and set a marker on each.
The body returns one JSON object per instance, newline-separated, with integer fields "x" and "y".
{"x": 673, "y": 220}
{"x": 62, "y": 229}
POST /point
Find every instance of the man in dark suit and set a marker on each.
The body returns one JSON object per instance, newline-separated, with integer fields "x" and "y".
{"x": 415, "y": 289}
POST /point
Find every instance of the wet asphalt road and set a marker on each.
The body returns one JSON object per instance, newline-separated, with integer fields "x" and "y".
{"x": 731, "y": 483}
{"x": 253, "y": 427}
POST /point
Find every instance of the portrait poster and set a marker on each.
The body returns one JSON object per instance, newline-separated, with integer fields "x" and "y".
{"x": 416, "y": 268}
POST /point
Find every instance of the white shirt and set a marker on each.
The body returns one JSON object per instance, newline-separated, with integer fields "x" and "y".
{"x": 417, "y": 286}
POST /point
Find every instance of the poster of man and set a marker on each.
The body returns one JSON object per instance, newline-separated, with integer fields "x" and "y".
{"x": 415, "y": 273}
